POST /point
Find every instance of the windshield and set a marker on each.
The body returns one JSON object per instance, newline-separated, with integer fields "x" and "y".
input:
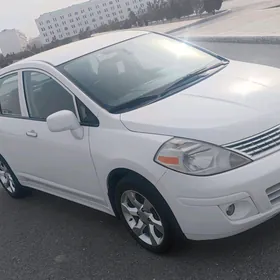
{"x": 134, "y": 69}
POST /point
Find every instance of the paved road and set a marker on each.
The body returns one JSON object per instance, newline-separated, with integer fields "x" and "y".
{"x": 47, "y": 238}
{"x": 248, "y": 18}
{"x": 253, "y": 53}
{"x": 245, "y": 4}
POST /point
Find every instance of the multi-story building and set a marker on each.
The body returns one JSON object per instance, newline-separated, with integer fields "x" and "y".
{"x": 12, "y": 41}
{"x": 70, "y": 21}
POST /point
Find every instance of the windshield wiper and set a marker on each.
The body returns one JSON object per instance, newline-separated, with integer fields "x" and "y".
{"x": 189, "y": 78}
{"x": 146, "y": 99}
{"x": 134, "y": 103}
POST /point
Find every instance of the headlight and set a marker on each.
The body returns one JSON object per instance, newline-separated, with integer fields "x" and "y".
{"x": 198, "y": 158}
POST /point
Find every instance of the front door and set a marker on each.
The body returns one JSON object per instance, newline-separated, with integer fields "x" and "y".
{"x": 54, "y": 162}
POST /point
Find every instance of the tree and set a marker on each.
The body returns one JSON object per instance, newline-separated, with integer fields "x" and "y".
{"x": 198, "y": 6}
{"x": 85, "y": 34}
{"x": 132, "y": 18}
{"x": 211, "y": 5}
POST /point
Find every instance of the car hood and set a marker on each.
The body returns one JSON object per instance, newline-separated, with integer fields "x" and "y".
{"x": 239, "y": 101}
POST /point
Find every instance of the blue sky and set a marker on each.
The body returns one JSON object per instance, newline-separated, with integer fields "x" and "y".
{"x": 21, "y": 14}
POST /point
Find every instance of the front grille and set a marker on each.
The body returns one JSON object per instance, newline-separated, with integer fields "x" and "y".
{"x": 273, "y": 194}
{"x": 258, "y": 144}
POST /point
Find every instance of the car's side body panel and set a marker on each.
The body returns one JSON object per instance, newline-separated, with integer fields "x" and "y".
{"x": 56, "y": 163}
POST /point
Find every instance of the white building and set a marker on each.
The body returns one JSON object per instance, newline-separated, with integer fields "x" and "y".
{"x": 72, "y": 20}
{"x": 12, "y": 41}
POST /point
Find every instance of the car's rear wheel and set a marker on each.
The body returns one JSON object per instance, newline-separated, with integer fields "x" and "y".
{"x": 145, "y": 214}
{"x": 9, "y": 181}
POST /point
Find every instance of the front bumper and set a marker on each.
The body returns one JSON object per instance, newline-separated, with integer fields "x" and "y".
{"x": 199, "y": 203}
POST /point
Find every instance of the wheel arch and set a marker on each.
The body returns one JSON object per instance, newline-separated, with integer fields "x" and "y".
{"x": 112, "y": 180}
{"x": 118, "y": 174}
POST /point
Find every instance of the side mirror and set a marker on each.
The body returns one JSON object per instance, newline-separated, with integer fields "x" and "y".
{"x": 65, "y": 120}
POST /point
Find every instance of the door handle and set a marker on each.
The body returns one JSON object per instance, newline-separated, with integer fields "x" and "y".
{"x": 31, "y": 133}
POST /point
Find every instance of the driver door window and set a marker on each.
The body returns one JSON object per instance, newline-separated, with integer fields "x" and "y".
{"x": 44, "y": 96}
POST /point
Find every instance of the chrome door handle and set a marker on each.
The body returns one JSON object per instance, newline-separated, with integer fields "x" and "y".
{"x": 31, "y": 133}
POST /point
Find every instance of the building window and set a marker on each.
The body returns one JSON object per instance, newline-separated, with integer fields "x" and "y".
{"x": 114, "y": 14}
{"x": 58, "y": 30}
{"x": 45, "y": 34}
{"x": 62, "y": 17}
{"x": 127, "y": 3}
{"x": 73, "y": 26}
{"x": 78, "y": 18}
{"x": 65, "y": 28}
{"x": 84, "y": 16}
{"x": 90, "y": 9}
{"x": 112, "y": 8}
{"x": 56, "y": 25}
{"x": 105, "y": 10}
{"x": 142, "y": 5}
{"x": 93, "y": 20}
{"x": 82, "y": 30}
{"x": 97, "y": 7}
{"x": 70, "y": 15}
{"x": 104, "y": 4}
{"x": 80, "y": 24}
{"x": 68, "y": 33}
{"x": 48, "y": 21}
{"x": 119, "y": 6}
{"x": 71, "y": 20}
{"x": 91, "y": 14}
{"x": 82, "y": 11}
{"x": 47, "y": 40}
{"x": 107, "y": 15}
{"x": 100, "y": 17}
{"x": 120, "y": 11}
{"x": 54, "y": 19}
{"x": 86, "y": 22}
{"x": 75, "y": 31}
{"x": 98, "y": 12}
{"x": 111, "y": 3}
{"x": 122, "y": 17}
{"x": 41, "y": 23}
{"x": 95, "y": 26}
{"x": 117, "y": 1}
{"x": 76, "y": 13}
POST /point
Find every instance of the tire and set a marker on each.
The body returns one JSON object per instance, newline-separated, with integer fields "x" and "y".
{"x": 9, "y": 181}
{"x": 152, "y": 223}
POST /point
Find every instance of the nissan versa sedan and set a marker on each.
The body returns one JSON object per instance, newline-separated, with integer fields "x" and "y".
{"x": 166, "y": 136}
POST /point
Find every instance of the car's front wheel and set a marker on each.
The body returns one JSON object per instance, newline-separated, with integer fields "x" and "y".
{"x": 9, "y": 181}
{"x": 145, "y": 214}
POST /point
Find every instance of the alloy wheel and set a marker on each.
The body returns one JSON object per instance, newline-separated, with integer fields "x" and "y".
{"x": 142, "y": 218}
{"x": 6, "y": 178}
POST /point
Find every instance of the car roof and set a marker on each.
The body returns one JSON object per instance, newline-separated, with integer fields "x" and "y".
{"x": 70, "y": 51}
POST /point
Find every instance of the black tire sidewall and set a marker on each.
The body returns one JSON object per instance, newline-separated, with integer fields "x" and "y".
{"x": 20, "y": 191}
{"x": 146, "y": 189}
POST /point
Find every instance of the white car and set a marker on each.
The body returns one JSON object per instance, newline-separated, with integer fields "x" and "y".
{"x": 167, "y": 136}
